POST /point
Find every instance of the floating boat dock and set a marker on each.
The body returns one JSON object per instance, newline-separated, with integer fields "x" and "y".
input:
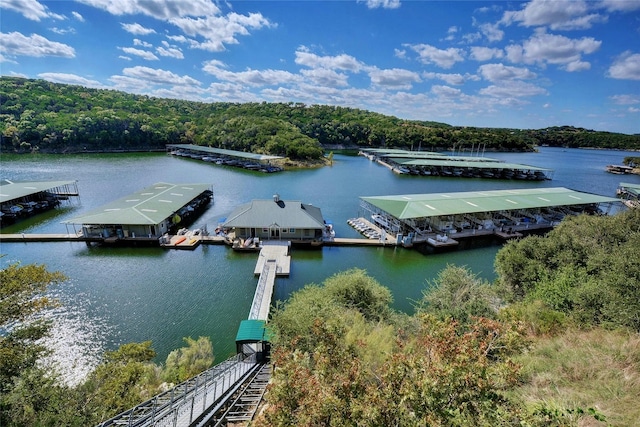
{"x": 19, "y": 200}
{"x": 437, "y": 164}
{"x": 221, "y": 156}
{"x": 441, "y": 219}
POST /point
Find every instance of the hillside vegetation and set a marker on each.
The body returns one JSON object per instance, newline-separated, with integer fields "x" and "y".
{"x": 36, "y": 115}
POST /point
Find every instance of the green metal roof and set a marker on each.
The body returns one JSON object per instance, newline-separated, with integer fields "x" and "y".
{"x": 149, "y": 206}
{"x": 252, "y": 331}
{"x": 437, "y": 204}
{"x": 387, "y": 152}
{"x": 631, "y": 188}
{"x": 17, "y": 190}
{"x": 224, "y": 152}
{"x": 469, "y": 164}
{"x": 283, "y": 213}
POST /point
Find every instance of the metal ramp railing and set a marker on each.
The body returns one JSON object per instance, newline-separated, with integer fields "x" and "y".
{"x": 184, "y": 404}
{"x": 244, "y": 404}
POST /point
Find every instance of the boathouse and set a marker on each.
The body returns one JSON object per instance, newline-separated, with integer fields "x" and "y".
{"x": 277, "y": 219}
{"x": 146, "y": 214}
{"x": 22, "y": 199}
{"x": 437, "y": 218}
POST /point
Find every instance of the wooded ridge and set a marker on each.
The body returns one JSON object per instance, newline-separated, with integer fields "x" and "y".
{"x": 37, "y": 115}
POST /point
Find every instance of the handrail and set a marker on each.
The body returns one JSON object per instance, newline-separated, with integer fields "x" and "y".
{"x": 261, "y": 287}
{"x": 170, "y": 404}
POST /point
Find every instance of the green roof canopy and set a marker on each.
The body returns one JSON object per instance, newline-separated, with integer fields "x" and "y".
{"x": 631, "y": 188}
{"x": 478, "y": 164}
{"x": 252, "y": 330}
{"x": 17, "y": 190}
{"x": 437, "y": 204}
{"x": 224, "y": 152}
{"x": 149, "y": 206}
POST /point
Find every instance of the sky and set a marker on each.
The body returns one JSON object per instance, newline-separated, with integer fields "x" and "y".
{"x": 509, "y": 64}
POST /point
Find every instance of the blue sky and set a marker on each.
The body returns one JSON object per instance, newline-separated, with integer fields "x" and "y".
{"x": 469, "y": 63}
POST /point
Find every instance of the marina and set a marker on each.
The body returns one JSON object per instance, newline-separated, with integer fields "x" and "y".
{"x": 134, "y": 292}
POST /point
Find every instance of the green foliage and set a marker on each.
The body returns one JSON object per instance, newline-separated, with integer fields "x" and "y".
{"x": 588, "y": 268}
{"x": 354, "y": 289}
{"x": 458, "y": 294}
{"x": 187, "y": 362}
{"x": 22, "y": 295}
{"x": 342, "y": 363}
{"x": 536, "y": 317}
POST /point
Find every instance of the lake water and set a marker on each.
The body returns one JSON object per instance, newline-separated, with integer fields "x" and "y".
{"x": 119, "y": 295}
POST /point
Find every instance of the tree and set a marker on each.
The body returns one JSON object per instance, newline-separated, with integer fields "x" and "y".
{"x": 22, "y": 297}
{"x": 458, "y": 294}
{"x": 189, "y": 361}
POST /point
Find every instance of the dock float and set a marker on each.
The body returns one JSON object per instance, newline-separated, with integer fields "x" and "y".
{"x": 276, "y": 252}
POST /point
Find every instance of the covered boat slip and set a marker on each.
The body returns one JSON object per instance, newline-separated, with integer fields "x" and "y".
{"x": 146, "y": 214}
{"x": 435, "y": 218}
{"x": 630, "y": 194}
{"x": 23, "y": 199}
{"x": 221, "y": 156}
{"x": 435, "y": 164}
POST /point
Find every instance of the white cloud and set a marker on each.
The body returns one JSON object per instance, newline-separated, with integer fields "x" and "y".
{"x": 626, "y": 67}
{"x": 63, "y": 31}
{"x": 444, "y": 58}
{"x": 339, "y": 62}
{"x": 543, "y": 48}
{"x": 138, "y": 42}
{"x": 144, "y": 54}
{"x": 491, "y": 31}
{"x": 325, "y": 77}
{"x": 17, "y": 44}
{"x": 500, "y": 72}
{"x": 386, "y": 4}
{"x": 137, "y": 29}
{"x": 513, "y": 89}
{"x": 171, "y": 51}
{"x": 394, "y": 78}
{"x": 159, "y": 76}
{"x": 159, "y": 9}
{"x": 218, "y": 31}
{"x": 621, "y": 5}
{"x": 483, "y": 53}
{"x": 30, "y": 9}
{"x": 78, "y": 16}
{"x": 71, "y": 79}
{"x": 556, "y": 14}
{"x": 446, "y": 91}
{"x": 626, "y": 99}
{"x": 249, "y": 77}
{"x": 452, "y": 79}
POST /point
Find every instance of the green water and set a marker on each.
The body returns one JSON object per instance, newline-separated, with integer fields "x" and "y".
{"x": 119, "y": 295}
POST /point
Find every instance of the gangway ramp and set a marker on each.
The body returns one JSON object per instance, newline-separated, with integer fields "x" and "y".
{"x": 274, "y": 260}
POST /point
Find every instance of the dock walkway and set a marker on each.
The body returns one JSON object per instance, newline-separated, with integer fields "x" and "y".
{"x": 274, "y": 260}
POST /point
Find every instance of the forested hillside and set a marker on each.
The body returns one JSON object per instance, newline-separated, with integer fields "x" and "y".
{"x": 36, "y": 115}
